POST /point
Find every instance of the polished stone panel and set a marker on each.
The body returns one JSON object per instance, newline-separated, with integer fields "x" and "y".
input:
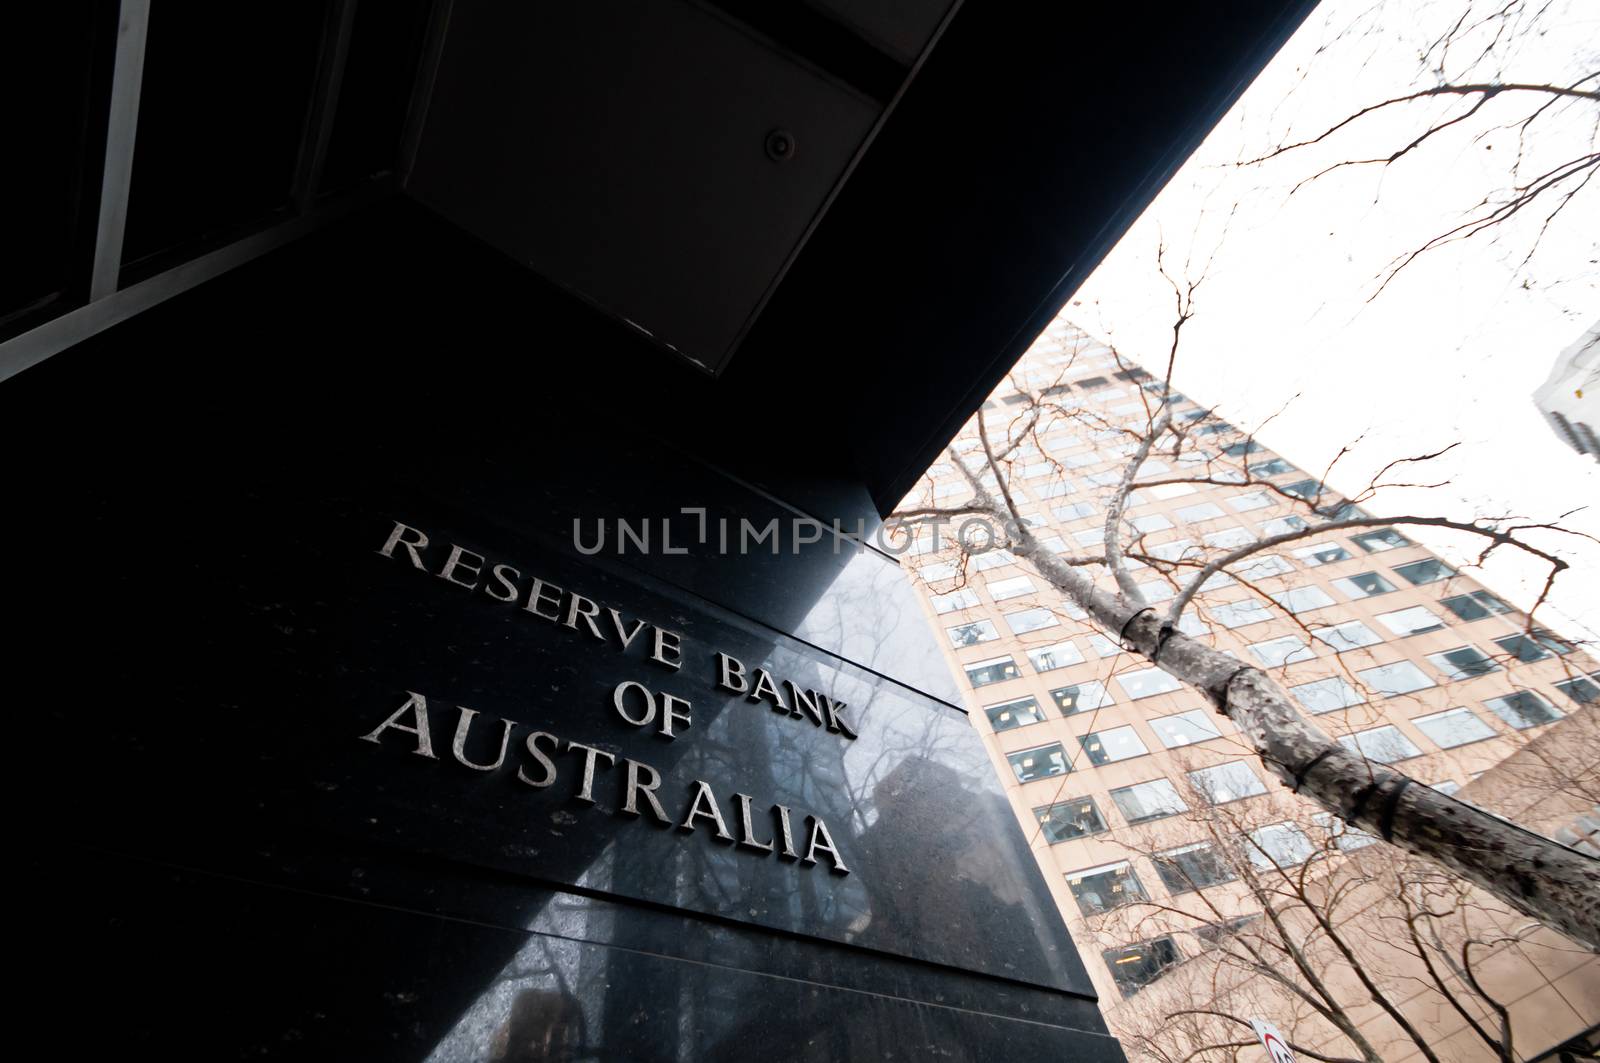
{"x": 216, "y": 865}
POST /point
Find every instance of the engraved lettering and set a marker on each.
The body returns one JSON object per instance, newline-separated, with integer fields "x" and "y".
{"x": 397, "y": 538}
{"x": 670, "y": 714}
{"x": 730, "y": 674}
{"x": 626, "y": 637}
{"x": 586, "y": 788}
{"x": 765, "y": 687}
{"x": 417, "y": 704}
{"x": 499, "y": 575}
{"x": 785, "y": 834}
{"x": 618, "y": 699}
{"x": 648, "y": 789}
{"x": 667, "y": 649}
{"x": 547, "y": 765}
{"x": 537, "y": 597}
{"x": 459, "y": 746}
{"x": 835, "y": 723}
{"x": 704, "y": 805}
{"x": 581, "y": 606}
{"x": 454, "y": 561}
{"x": 747, "y": 836}
{"x": 804, "y": 699}
{"x": 821, "y": 839}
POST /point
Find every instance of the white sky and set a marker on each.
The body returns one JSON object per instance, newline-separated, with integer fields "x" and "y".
{"x": 1452, "y": 349}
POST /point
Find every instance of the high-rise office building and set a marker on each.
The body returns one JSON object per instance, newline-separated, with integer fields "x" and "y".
{"x": 1390, "y": 649}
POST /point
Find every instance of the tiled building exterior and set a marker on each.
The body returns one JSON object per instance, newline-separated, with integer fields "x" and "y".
{"x": 1395, "y": 653}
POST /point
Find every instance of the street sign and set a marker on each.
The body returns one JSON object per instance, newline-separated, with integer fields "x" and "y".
{"x": 1275, "y": 1043}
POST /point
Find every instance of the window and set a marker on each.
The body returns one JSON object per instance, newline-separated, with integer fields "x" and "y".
{"x": 1388, "y": 680}
{"x": 1264, "y": 566}
{"x": 1523, "y": 709}
{"x": 1040, "y": 763}
{"x": 1305, "y": 490}
{"x": 1447, "y": 786}
{"x": 1321, "y": 554}
{"x": 1271, "y": 467}
{"x": 1226, "y": 782}
{"x": 1274, "y": 653}
{"x": 1363, "y": 585}
{"x": 1428, "y": 570}
{"x": 1475, "y": 605}
{"x": 1283, "y": 525}
{"x": 972, "y": 634}
{"x": 1240, "y": 449}
{"x": 1066, "y": 820}
{"x": 1412, "y": 621}
{"x": 1342, "y": 834}
{"x": 1145, "y": 801}
{"x": 1199, "y": 512}
{"x": 1112, "y": 745}
{"x": 945, "y": 490}
{"x": 1176, "y": 550}
{"x": 1253, "y": 500}
{"x": 1375, "y": 542}
{"x": 1054, "y": 489}
{"x": 1537, "y": 648}
{"x": 1146, "y": 682}
{"x": 1582, "y": 689}
{"x": 1103, "y": 647}
{"x": 1080, "y": 697}
{"x": 1241, "y": 613}
{"x": 1026, "y": 620}
{"x": 1278, "y": 846}
{"x": 1382, "y": 744}
{"x": 1073, "y": 511}
{"x": 1100, "y": 889}
{"x": 993, "y": 670}
{"x": 1001, "y": 589}
{"x": 1302, "y": 599}
{"x": 1154, "y": 522}
{"x": 1464, "y": 662}
{"x": 992, "y": 559}
{"x": 1230, "y": 538}
{"x": 939, "y": 570}
{"x": 1089, "y": 537}
{"x": 1193, "y": 867}
{"x": 1326, "y": 695}
{"x": 1453, "y": 727}
{"x": 1058, "y": 655}
{"x": 1011, "y": 714}
{"x": 1183, "y": 728}
{"x": 1157, "y": 591}
{"x": 965, "y": 598}
{"x": 1350, "y": 635}
{"x": 1214, "y": 934}
{"x": 1137, "y": 966}
{"x": 1169, "y": 491}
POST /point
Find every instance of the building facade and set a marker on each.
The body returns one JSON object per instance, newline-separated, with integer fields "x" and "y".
{"x": 1394, "y": 652}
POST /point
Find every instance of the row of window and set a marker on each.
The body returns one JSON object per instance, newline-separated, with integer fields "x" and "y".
{"x": 1521, "y": 710}
{"x": 1080, "y": 817}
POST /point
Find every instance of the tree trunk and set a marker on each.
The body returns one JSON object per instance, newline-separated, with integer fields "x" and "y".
{"x": 1534, "y": 874}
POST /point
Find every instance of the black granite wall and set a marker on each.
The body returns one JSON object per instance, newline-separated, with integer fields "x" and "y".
{"x": 205, "y": 626}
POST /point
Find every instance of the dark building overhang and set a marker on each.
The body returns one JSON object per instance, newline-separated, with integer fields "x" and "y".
{"x": 818, "y": 233}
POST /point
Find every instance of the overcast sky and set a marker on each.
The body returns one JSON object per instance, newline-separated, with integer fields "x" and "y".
{"x": 1452, "y": 348}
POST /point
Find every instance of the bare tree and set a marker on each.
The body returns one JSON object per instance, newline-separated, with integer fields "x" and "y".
{"x": 1532, "y": 873}
{"x": 1472, "y": 92}
{"x": 1318, "y": 929}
